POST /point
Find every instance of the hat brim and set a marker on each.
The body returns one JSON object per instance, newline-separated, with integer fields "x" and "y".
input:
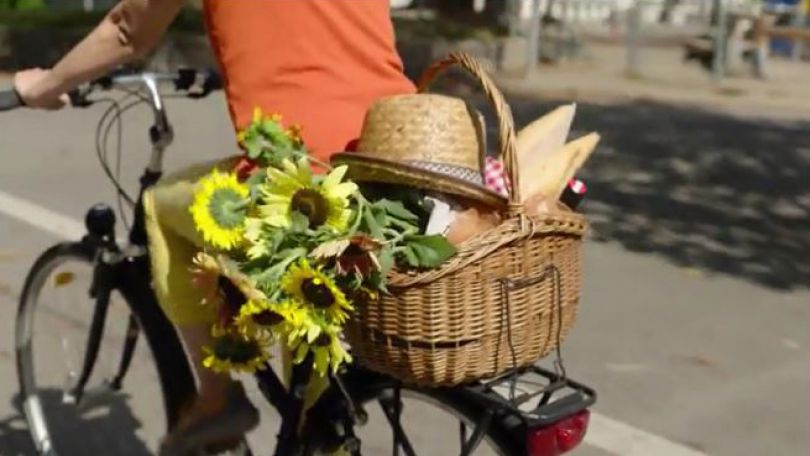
{"x": 363, "y": 168}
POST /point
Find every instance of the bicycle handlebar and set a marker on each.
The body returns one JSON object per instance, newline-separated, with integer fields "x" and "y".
{"x": 184, "y": 80}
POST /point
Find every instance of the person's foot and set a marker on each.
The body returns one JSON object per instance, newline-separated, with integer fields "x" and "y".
{"x": 208, "y": 427}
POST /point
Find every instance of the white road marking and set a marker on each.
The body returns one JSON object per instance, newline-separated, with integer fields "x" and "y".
{"x": 623, "y": 439}
{"x": 40, "y": 217}
{"x": 605, "y": 433}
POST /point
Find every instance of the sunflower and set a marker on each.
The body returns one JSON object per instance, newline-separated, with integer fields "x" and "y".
{"x": 327, "y": 351}
{"x": 220, "y": 208}
{"x": 272, "y": 319}
{"x": 235, "y": 352}
{"x": 316, "y": 289}
{"x": 294, "y": 132}
{"x": 222, "y": 284}
{"x": 359, "y": 256}
{"x": 205, "y": 273}
{"x": 293, "y": 189}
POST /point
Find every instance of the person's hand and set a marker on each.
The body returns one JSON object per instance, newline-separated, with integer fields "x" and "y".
{"x": 32, "y": 87}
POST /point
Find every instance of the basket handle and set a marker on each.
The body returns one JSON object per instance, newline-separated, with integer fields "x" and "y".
{"x": 506, "y": 125}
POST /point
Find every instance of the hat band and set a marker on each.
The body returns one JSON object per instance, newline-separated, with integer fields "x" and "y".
{"x": 459, "y": 172}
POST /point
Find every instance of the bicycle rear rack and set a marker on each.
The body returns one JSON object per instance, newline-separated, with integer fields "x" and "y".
{"x": 557, "y": 395}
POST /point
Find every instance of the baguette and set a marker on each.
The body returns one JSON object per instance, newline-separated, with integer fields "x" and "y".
{"x": 550, "y": 177}
{"x": 538, "y": 141}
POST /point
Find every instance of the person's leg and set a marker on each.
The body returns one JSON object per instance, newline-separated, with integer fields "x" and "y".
{"x": 172, "y": 280}
{"x": 212, "y": 388}
{"x": 173, "y": 243}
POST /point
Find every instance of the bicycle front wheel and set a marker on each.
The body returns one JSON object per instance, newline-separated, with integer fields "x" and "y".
{"x": 109, "y": 415}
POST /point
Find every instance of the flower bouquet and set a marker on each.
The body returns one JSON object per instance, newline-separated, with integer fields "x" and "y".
{"x": 292, "y": 248}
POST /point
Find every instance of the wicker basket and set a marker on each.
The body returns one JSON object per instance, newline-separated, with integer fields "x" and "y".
{"x": 505, "y": 300}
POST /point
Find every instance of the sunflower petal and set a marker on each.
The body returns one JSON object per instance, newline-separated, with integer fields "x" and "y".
{"x": 288, "y": 167}
{"x": 312, "y": 333}
{"x": 304, "y": 173}
{"x": 321, "y": 361}
{"x": 301, "y": 353}
{"x": 334, "y": 178}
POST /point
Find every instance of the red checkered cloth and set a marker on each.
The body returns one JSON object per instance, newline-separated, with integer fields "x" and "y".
{"x": 494, "y": 176}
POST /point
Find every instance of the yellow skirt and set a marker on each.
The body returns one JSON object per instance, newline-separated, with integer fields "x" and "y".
{"x": 173, "y": 242}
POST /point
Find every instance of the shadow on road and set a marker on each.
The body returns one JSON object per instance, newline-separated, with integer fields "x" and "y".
{"x": 705, "y": 190}
{"x": 108, "y": 427}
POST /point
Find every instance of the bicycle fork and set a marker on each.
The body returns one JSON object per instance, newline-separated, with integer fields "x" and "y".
{"x": 100, "y": 222}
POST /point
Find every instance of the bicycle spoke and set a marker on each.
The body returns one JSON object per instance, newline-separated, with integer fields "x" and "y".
{"x": 392, "y": 407}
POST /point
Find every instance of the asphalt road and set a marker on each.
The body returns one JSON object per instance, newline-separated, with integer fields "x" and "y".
{"x": 694, "y": 322}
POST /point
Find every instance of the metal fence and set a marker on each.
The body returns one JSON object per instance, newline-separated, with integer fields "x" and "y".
{"x": 676, "y": 12}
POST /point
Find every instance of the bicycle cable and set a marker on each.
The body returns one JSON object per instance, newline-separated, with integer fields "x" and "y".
{"x": 109, "y": 119}
{"x": 112, "y": 117}
{"x": 118, "y": 123}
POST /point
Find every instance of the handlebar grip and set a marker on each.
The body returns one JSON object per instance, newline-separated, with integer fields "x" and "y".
{"x": 10, "y": 99}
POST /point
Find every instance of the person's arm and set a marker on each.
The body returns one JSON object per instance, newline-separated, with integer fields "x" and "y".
{"x": 130, "y": 30}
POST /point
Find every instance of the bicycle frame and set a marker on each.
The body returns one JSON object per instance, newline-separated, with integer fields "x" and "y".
{"x": 126, "y": 269}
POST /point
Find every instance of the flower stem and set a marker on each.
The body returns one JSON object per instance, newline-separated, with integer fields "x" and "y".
{"x": 361, "y": 207}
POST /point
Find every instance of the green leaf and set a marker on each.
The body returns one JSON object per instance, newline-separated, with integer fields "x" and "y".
{"x": 373, "y": 226}
{"x": 300, "y": 222}
{"x": 276, "y": 237}
{"x": 430, "y": 251}
{"x": 254, "y": 148}
{"x": 386, "y": 259}
{"x": 397, "y": 209}
{"x": 376, "y": 281}
{"x": 271, "y": 128}
{"x": 382, "y": 218}
{"x": 410, "y": 257}
{"x": 254, "y": 182}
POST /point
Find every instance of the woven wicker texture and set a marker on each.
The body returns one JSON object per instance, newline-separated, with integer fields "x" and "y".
{"x": 425, "y": 141}
{"x": 505, "y": 300}
{"x": 423, "y": 127}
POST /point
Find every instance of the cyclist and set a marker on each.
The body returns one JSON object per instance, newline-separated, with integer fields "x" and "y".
{"x": 318, "y": 63}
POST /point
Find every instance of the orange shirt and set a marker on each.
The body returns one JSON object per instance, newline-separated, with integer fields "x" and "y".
{"x": 318, "y": 63}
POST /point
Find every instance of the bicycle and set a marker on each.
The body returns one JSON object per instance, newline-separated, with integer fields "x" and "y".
{"x": 529, "y": 411}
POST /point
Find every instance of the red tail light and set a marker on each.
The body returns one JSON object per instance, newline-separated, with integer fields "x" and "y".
{"x": 561, "y": 437}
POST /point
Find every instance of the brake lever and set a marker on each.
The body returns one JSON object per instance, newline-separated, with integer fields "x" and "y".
{"x": 185, "y": 79}
{"x": 78, "y": 98}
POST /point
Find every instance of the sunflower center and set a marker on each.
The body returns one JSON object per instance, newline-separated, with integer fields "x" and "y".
{"x": 268, "y": 318}
{"x": 233, "y": 296}
{"x": 354, "y": 250}
{"x": 236, "y": 350}
{"x": 312, "y": 205}
{"x": 323, "y": 340}
{"x": 227, "y": 208}
{"x": 317, "y": 293}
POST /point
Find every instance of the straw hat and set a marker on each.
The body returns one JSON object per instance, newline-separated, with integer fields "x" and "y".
{"x": 428, "y": 141}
